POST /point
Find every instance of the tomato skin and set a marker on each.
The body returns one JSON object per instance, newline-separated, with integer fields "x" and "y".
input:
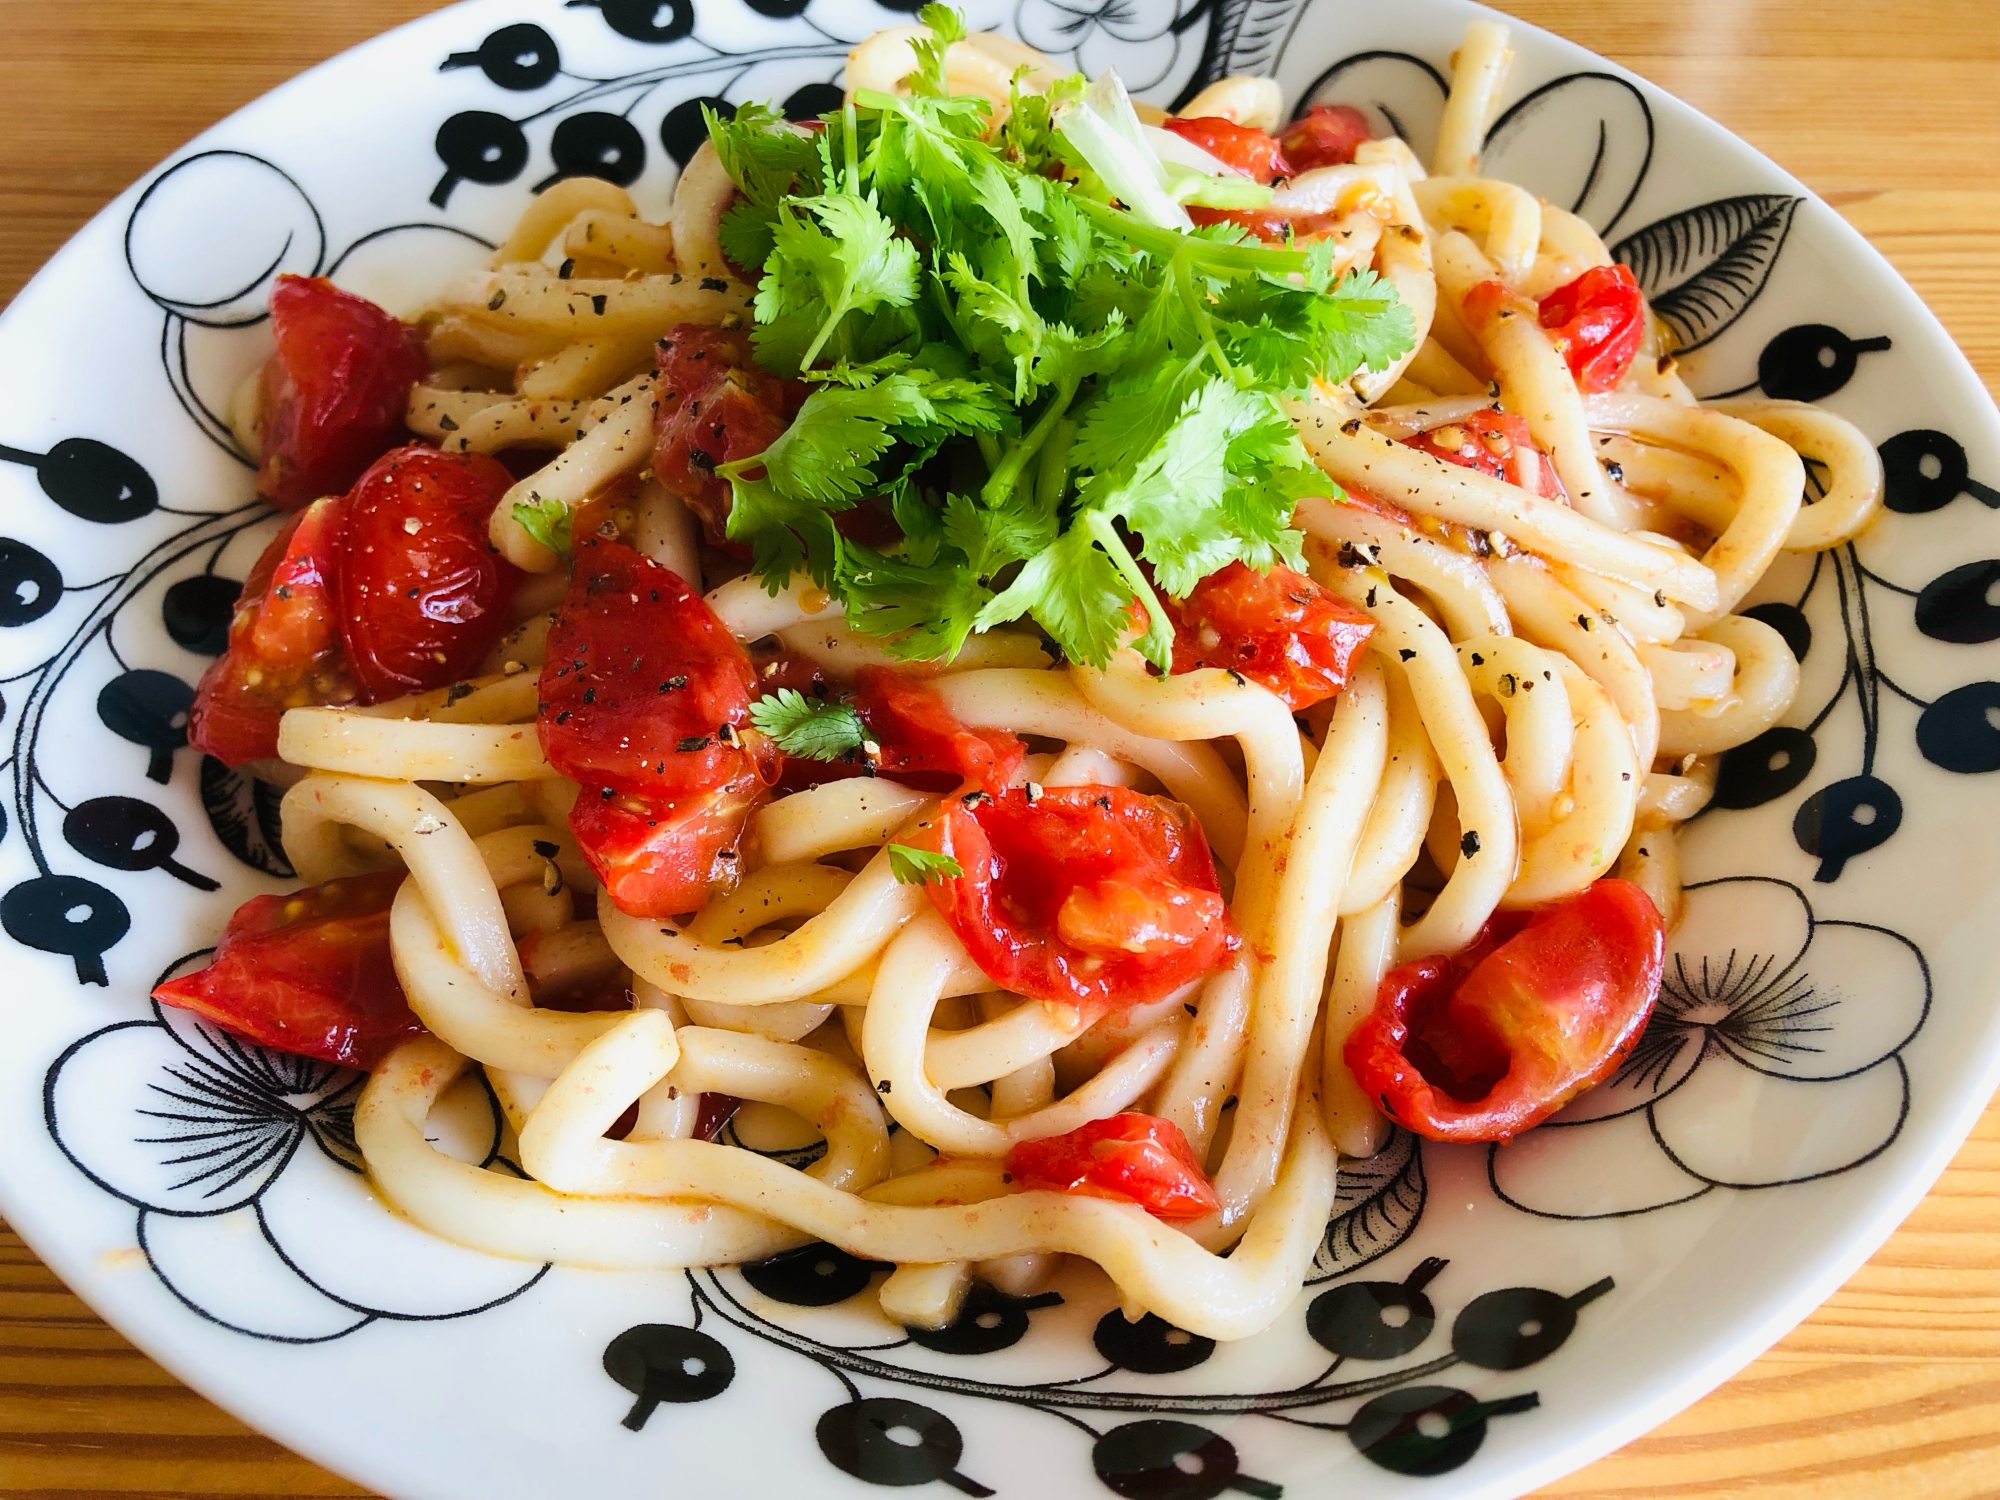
{"x": 1244, "y": 147}
{"x": 335, "y": 392}
{"x": 658, "y": 858}
{"x": 1496, "y": 443}
{"x": 1280, "y": 629}
{"x": 926, "y": 745}
{"x": 284, "y": 642}
{"x": 1327, "y": 135}
{"x": 1485, "y": 1045}
{"x": 1096, "y": 896}
{"x": 716, "y": 407}
{"x": 308, "y": 973}
{"x": 637, "y": 667}
{"x": 421, "y": 607}
{"x": 1596, "y": 321}
{"x": 1135, "y": 1158}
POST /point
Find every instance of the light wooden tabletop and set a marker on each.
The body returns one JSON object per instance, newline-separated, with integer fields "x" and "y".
{"x": 1888, "y": 108}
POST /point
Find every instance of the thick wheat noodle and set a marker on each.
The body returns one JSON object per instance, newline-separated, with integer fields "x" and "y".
{"x": 339, "y": 740}
{"x": 858, "y": 813}
{"x": 1638, "y": 614}
{"x": 1568, "y": 248}
{"x": 1767, "y": 679}
{"x": 1459, "y": 739}
{"x": 1563, "y": 858}
{"x": 1652, "y": 861}
{"x": 1550, "y": 615}
{"x": 1417, "y": 481}
{"x": 588, "y": 368}
{"x": 504, "y": 422}
{"x": 1507, "y": 217}
{"x": 1453, "y": 582}
{"x": 539, "y": 304}
{"x": 1478, "y": 71}
{"x": 1153, "y": 1264}
{"x": 552, "y": 209}
{"x": 666, "y": 531}
{"x": 1691, "y": 673}
{"x": 1401, "y": 812}
{"x": 1024, "y": 1033}
{"x": 622, "y": 239}
{"x": 843, "y": 651}
{"x": 1541, "y": 735}
{"x": 1853, "y": 487}
{"x": 749, "y": 611}
{"x": 776, "y": 893}
{"x": 1050, "y": 704}
{"x": 1367, "y": 951}
{"x": 500, "y": 698}
{"x": 1287, "y": 995}
{"x": 1403, "y": 259}
{"x": 618, "y": 444}
{"x": 702, "y": 195}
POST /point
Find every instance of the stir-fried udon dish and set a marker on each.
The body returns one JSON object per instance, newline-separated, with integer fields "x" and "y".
{"x": 1053, "y": 668}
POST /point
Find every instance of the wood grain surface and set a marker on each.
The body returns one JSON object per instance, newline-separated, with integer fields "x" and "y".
{"x": 1888, "y": 108}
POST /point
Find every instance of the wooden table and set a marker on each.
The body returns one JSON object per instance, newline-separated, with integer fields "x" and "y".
{"x": 1889, "y": 108}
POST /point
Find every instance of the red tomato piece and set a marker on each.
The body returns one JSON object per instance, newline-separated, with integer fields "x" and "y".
{"x": 1275, "y": 225}
{"x": 1596, "y": 322}
{"x": 660, "y": 858}
{"x": 1244, "y": 147}
{"x": 1091, "y": 895}
{"x": 1482, "y": 1046}
{"x": 423, "y": 594}
{"x": 334, "y": 394}
{"x": 1279, "y": 629}
{"x": 1326, "y": 135}
{"x": 1137, "y": 1158}
{"x": 1496, "y": 443}
{"x": 716, "y": 407}
{"x": 924, "y": 743}
{"x": 643, "y": 689}
{"x": 284, "y": 643}
{"x": 307, "y": 973}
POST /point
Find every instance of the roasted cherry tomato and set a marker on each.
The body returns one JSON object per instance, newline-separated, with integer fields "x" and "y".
{"x": 1482, "y": 1046}
{"x": 716, "y": 407}
{"x": 1596, "y": 322}
{"x": 333, "y": 396}
{"x": 1279, "y": 629}
{"x": 284, "y": 649}
{"x": 1138, "y": 1158}
{"x": 1244, "y": 147}
{"x": 1093, "y": 895}
{"x": 307, "y": 973}
{"x": 1275, "y": 225}
{"x": 1327, "y": 135}
{"x": 661, "y": 858}
{"x": 1495, "y": 443}
{"x": 423, "y": 594}
{"x": 923, "y": 743}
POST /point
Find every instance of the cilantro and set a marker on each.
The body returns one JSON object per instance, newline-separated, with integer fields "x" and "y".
{"x": 816, "y": 728}
{"x": 546, "y": 519}
{"x": 921, "y": 866}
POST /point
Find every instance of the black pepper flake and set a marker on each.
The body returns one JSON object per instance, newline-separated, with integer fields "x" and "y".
{"x": 702, "y": 460}
{"x": 1188, "y": 1006}
{"x": 714, "y": 284}
{"x": 457, "y": 691}
{"x": 1371, "y": 598}
{"x": 497, "y": 300}
{"x": 1624, "y": 775}
{"x": 546, "y": 849}
{"x": 1508, "y": 683}
{"x": 674, "y": 683}
{"x": 567, "y": 269}
{"x": 597, "y": 303}
{"x": 447, "y": 424}
{"x": 1615, "y": 469}
{"x": 1583, "y": 622}
{"x": 726, "y": 733}
{"x": 590, "y": 695}
{"x": 1659, "y": 598}
{"x": 1103, "y": 802}
{"x": 283, "y": 591}
{"x": 1478, "y": 660}
{"x": 882, "y": 1087}
{"x": 691, "y": 742}
{"x": 1351, "y": 426}
{"x": 1238, "y": 678}
{"x": 1406, "y": 654}
{"x": 606, "y": 793}
{"x": 411, "y": 591}
{"x": 1469, "y": 845}
{"x": 975, "y": 799}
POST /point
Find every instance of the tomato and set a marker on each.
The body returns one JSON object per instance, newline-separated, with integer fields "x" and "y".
{"x": 1091, "y": 895}
{"x": 307, "y": 973}
{"x": 334, "y": 394}
{"x": 716, "y": 407}
{"x": 643, "y": 688}
{"x": 423, "y": 594}
{"x": 1482, "y": 1046}
{"x": 1326, "y": 135}
{"x": 1138, "y": 1158}
{"x": 1244, "y": 147}
{"x": 1495, "y": 443}
{"x": 658, "y": 857}
{"x": 1280, "y": 629}
{"x": 1596, "y": 322}
{"x": 284, "y": 643}
{"x": 923, "y": 743}
{"x": 1276, "y": 225}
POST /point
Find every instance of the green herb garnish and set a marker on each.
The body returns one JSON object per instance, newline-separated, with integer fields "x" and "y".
{"x": 547, "y": 521}
{"x": 921, "y": 866}
{"x": 816, "y": 728}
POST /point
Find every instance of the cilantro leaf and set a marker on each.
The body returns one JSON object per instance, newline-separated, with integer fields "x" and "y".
{"x": 547, "y": 520}
{"x": 922, "y": 866}
{"x": 815, "y": 728}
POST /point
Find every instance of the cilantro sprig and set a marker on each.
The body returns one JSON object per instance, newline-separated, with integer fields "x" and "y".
{"x": 922, "y": 866}
{"x": 1057, "y": 406}
{"x": 815, "y": 728}
{"x": 547, "y": 520}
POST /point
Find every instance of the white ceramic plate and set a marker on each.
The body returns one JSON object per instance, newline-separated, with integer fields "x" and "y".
{"x": 1480, "y": 1320}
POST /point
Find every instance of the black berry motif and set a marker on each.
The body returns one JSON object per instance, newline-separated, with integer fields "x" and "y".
{"x": 1961, "y": 730}
{"x": 646, "y": 20}
{"x": 477, "y": 145}
{"x": 1789, "y": 621}
{"x": 1811, "y": 362}
{"x": 69, "y": 915}
{"x": 91, "y": 480}
{"x": 596, "y": 144}
{"x": 1849, "y": 817}
{"x": 30, "y": 585}
{"x": 664, "y": 1362}
{"x": 988, "y": 1322}
{"x": 197, "y": 612}
{"x": 1151, "y": 1346}
{"x": 1963, "y": 605}
{"x": 682, "y": 128}
{"x": 1424, "y": 1430}
{"x": 815, "y": 1275}
{"x": 151, "y": 710}
{"x": 1765, "y": 768}
{"x": 1518, "y": 1325}
{"x": 517, "y": 57}
{"x": 123, "y": 833}
{"x": 811, "y": 100}
{"x": 1924, "y": 471}
{"x": 1375, "y": 1319}
{"x": 1157, "y": 1459}
{"x": 887, "y": 1440}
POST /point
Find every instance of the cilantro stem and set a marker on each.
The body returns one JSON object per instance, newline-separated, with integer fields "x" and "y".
{"x": 1211, "y": 254}
{"x": 1052, "y": 474}
{"x": 1182, "y": 277}
{"x": 1007, "y": 474}
{"x": 1157, "y": 644}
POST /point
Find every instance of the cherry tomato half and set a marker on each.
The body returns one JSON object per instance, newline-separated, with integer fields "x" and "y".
{"x": 1327, "y": 135}
{"x": 334, "y": 394}
{"x": 1279, "y": 629}
{"x": 661, "y": 858}
{"x": 1244, "y": 147}
{"x": 1596, "y": 322}
{"x": 923, "y": 743}
{"x": 1092, "y": 895}
{"x": 1137, "y": 1158}
{"x": 1275, "y": 225}
{"x": 1485, "y": 1045}
{"x": 1496, "y": 443}
{"x": 308, "y": 973}
{"x": 716, "y": 407}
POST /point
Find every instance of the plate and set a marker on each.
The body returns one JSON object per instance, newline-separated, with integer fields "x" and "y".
{"x": 1479, "y": 1320}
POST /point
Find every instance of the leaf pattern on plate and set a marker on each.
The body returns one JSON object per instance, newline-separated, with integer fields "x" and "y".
{"x": 1376, "y": 1206}
{"x": 1702, "y": 267}
{"x": 243, "y": 811}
